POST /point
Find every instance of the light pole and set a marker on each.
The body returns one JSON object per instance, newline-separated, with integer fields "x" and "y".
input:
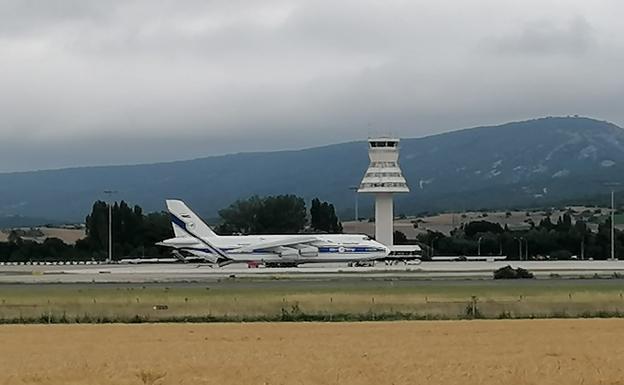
{"x": 357, "y": 214}
{"x": 526, "y": 249}
{"x": 613, "y": 185}
{"x": 109, "y": 193}
{"x": 431, "y": 245}
{"x": 479, "y": 246}
{"x": 519, "y": 247}
{"x": 612, "y": 225}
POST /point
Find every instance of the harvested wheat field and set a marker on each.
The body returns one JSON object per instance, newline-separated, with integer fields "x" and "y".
{"x": 422, "y": 352}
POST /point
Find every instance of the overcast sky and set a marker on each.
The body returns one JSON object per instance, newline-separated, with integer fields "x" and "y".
{"x": 114, "y": 82}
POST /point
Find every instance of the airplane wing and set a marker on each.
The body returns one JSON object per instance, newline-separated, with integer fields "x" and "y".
{"x": 290, "y": 241}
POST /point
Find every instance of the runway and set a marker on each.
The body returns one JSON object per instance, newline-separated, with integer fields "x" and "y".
{"x": 118, "y": 273}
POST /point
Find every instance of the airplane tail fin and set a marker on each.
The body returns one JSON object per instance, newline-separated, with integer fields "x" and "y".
{"x": 186, "y": 223}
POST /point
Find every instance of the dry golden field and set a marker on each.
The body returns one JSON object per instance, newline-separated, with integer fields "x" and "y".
{"x": 423, "y": 352}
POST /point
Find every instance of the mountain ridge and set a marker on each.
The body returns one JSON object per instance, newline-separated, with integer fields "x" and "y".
{"x": 450, "y": 132}
{"x": 524, "y": 163}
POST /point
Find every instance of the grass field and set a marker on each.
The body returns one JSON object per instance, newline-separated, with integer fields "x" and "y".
{"x": 236, "y": 300}
{"x": 509, "y": 352}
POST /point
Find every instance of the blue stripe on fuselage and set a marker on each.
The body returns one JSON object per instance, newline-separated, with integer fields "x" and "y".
{"x": 205, "y": 250}
{"x": 337, "y": 249}
{"x": 361, "y": 250}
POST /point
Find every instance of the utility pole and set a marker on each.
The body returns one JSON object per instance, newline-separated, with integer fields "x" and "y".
{"x": 110, "y": 226}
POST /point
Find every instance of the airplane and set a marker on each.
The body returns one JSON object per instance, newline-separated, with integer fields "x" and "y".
{"x": 195, "y": 237}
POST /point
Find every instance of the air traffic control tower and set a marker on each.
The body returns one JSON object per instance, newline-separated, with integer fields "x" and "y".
{"x": 383, "y": 178}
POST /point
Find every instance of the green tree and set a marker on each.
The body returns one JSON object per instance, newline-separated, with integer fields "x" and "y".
{"x": 323, "y": 217}
{"x": 546, "y": 223}
{"x": 96, "y": 226}
{"x": 282, "y": 214}
{"x": 241, "y": 216}
{"x": 471, "y": 229}
{"x": 134, "y": 234}
{"x": 315, "y": 214}
{"x": 14, "y": 237}
{"x": 399, "y": 238}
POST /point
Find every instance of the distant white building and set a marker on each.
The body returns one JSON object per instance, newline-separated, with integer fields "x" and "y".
{"x": 383, "y": 178}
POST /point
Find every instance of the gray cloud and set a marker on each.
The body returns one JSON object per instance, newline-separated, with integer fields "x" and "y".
{"x": 544, "y": 37}
{"x": 91, "y": 82}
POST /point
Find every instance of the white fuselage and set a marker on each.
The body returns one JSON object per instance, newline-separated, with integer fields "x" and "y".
{"x": 326, "y": 248}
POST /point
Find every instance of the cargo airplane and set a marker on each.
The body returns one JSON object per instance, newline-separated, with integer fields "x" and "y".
{"x": 195, "y": 237}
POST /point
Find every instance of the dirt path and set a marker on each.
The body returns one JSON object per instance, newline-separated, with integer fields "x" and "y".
{"x": 443, "y": 352}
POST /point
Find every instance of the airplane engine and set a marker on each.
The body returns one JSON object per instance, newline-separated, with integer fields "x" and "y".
{"x": 308, "y": 251}
{"x": 287, "y": 252}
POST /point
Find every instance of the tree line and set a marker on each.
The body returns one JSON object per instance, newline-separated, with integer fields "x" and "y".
{"x": 282, "y": 214}
{"x": 135, "y": 233}
{"x": 561, "y": 239}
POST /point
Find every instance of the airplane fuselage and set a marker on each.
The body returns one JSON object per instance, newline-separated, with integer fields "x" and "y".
{"x": 326, "y": 248}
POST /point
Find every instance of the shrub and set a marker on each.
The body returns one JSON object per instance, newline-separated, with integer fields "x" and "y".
{"x": 472, "y": 310}
{"x": 509, "y": 272}
{"x": 523, "y": 273}
{"x": 506, "y": 272}
{"x": 505, "y": 315}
